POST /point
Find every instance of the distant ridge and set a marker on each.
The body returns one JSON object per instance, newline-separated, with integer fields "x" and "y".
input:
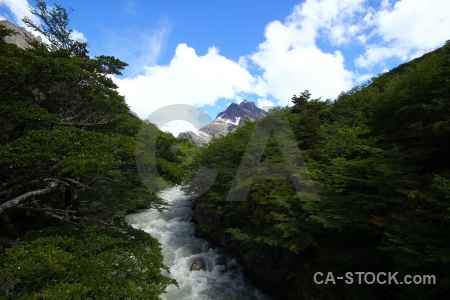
{"x": 225, "y": 121}
{"x": 20, "y": 39}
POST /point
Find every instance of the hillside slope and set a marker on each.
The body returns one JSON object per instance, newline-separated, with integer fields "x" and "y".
{"x": 378, "y": 157}
{"x": 68, "y": 176}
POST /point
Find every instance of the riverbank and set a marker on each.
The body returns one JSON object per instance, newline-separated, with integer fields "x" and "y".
{"x": 273, "y": 270}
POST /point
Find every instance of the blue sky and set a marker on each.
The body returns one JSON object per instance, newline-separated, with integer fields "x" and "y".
{"x": 211, "y": 53}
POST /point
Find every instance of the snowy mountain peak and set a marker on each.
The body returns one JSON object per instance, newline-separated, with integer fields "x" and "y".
{"x": 226, "y": 121}
{"x": 243, "y": 110}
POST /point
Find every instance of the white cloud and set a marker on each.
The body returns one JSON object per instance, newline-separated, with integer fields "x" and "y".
{"x": 406, "y": 29}
{"x": 291, "y": 60}
{"x": 20, "y": 9}
{"x": 238, "y": 99}
{"x": 178, "y": 126}
{"x": 265, "y": 104}
{"x": 304, "y": 51}
{"x": 337, "y": 21}
{"x": 363, "y": 78}
{"x": 416, "y": 23}
{"x": 188, "y": 79}
{"x": 78, "y": 36}
{"x": 377, "y": 53}
{"x": 301, "y": 68}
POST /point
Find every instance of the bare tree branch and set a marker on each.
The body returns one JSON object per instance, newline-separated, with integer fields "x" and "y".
{"x": 18, "y": 200}
{"x": 77, "y": 124}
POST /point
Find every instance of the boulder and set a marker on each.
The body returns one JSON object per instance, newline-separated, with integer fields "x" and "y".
{"x": 197, "y": 265}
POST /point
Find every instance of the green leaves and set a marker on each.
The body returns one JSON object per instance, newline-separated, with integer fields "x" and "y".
{"x": 84, "y": 262}
{"x": 378, "y": 157}
{"x": 68, "y": 153}
{"x": 110, "y": 64}
{"x": 53, "y": 26}
{"x": 73, "y": 151}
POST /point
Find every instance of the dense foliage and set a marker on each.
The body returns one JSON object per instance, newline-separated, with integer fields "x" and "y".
{"x": 68, "y": 174}
{"x": 378, "y": 155}
{"x": 70, "y": 169}
{"x": 84, "y": 262}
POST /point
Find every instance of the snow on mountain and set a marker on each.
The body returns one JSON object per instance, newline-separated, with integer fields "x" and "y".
{"x": 225, "y": 121}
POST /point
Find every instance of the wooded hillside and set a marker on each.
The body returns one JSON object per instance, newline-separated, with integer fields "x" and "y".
{"x": 378, "y": 157}
{"x": 68, "y": 174}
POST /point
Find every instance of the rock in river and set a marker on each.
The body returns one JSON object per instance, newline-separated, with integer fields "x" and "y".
{"x": 197, "y": 265}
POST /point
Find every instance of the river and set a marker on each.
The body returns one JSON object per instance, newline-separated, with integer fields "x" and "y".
{"x": 222, "y": 278}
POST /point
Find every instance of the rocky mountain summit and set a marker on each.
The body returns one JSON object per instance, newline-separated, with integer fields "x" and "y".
{"x": 21, "y": 38}
{"x": 225, "y": 122}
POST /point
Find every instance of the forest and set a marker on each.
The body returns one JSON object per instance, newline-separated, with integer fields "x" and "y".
{"x": 68, "y": 174}
{"x": 376, "y": 158}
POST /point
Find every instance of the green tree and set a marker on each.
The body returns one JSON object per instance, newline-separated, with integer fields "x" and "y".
{"x": 54, "y": 28}
{"x": 378, "y": 155}
{"x": 84, "y": 262}
{"x": 300, "y": 100}
{"x": 67, "y": 140}
{"x": 68, "y": 174}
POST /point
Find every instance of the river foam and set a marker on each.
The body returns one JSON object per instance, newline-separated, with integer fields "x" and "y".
{"x": 222, "y": 278}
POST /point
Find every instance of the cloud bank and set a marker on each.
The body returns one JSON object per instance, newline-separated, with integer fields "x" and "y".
{"x": 292, "y": 57}
{"x": 188, "y": 79}
{"x": 405, "y": 30}
{"x": 19, "y": 9}
{"x": 325, "y": 46}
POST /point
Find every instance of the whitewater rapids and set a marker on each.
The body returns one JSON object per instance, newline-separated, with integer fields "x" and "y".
{"x": 181, "y": 248}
